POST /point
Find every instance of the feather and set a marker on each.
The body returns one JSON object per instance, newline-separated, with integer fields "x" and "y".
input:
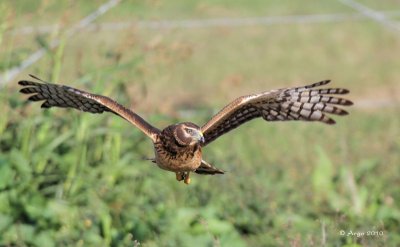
{"x": 299, "y": 103}
{"x": 55, "y": 95}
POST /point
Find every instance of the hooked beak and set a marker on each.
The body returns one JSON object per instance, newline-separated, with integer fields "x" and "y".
{"x": 200, "y": 137}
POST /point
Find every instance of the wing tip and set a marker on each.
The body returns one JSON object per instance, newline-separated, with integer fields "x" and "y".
{"x": 36, "y": 78}
{"x": 320, "y": 83}
{"x": 35, "y": 97}
{"x": 24, "y": 90}
{"x": 348, "y": 102}
{"x": 28, "y": 90}
{"x": 330, "y": 121}
{"x": 45, "y": 105}
{"x": 30, "y": 83}
{"x": 343, "y": 113}
{"x": 25, "y": 83}
{"x": 344, "y": 91}
{"x": 326, "y": 119}
{"x": 327, "y": 81}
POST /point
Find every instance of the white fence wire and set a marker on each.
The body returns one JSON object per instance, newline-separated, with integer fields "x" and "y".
{"x": 215, "y": 22}
{"x": 375, "y": 15}
{"x": 34, "y": 57}
{"x": 86, "y": 24}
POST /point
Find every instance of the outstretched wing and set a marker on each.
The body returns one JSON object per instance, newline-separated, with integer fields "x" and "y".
{"x": 64, "y": 96}
{"x": 300, "y": 103}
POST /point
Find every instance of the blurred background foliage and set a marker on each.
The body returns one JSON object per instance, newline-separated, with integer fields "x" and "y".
{"x": 73, "y": 179}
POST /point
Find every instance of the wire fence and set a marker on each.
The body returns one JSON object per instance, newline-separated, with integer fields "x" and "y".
{"x": 375, "y": 15}
{"x": 34, "y": 57}
{"x": 207, "y": 23}
{"x": 86, "y": 24}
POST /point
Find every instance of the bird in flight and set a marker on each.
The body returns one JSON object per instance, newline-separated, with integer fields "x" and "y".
{"x": 177, "y": 147}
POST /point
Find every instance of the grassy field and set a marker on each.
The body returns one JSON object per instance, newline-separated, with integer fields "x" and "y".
{"x": 74, "y": 179}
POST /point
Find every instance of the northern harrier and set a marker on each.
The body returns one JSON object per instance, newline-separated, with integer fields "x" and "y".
{"x": 177, "y": 148}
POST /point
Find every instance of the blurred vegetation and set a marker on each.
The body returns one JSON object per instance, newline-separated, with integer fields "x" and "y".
{"x": 73, "y": 179}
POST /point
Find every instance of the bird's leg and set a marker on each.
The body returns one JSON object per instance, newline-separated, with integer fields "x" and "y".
{"x": 187, "y": 178}
{"x": 179, "y": 176}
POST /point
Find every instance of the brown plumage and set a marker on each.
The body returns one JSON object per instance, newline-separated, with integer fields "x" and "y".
{"x": 177, "y": 147}
{"x": 299, "y": 103}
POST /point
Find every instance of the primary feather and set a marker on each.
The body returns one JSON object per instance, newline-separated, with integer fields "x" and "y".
{"x": 299, "y": 103}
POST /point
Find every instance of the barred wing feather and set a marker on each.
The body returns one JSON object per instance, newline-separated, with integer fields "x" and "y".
{"x": 299, "y": 103}
{"x": 55, "y": 95}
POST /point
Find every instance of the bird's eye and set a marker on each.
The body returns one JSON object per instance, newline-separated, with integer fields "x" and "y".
{"x": 189, "y": 131}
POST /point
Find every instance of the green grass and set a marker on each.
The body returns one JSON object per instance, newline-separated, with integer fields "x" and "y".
{"x": 74, "y": 179}
{"x": 181, "y": 9}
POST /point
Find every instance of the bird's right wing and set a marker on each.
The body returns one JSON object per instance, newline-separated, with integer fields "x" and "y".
{"x": 68, "y": 97}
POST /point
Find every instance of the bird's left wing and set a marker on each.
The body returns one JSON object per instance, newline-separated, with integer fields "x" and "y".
{"x": 299, "y": 103}
{"x": 64, "y": 96}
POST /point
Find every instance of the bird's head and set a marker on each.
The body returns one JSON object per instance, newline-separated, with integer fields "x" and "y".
{"x": 188, "y": 134}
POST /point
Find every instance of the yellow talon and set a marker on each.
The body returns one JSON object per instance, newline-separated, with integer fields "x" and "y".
{"x": 179, "y": 176}
{"x": 187, "y": 178}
